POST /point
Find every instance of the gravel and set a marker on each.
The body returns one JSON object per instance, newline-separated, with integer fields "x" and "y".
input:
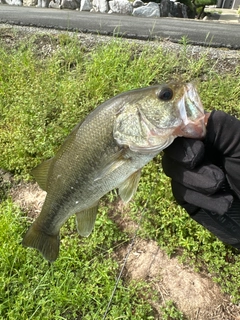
{"x": 224, "y": 60}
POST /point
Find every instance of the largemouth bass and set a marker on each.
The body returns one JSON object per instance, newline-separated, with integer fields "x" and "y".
{"x": 106, "y": 151}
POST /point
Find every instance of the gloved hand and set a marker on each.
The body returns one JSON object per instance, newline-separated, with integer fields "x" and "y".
{"x": 206, "y": 176}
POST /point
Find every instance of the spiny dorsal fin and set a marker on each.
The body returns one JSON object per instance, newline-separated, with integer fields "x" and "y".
{"x": 85, "y": 220}
{"x": 40, "y": 173}
{"x": 128, "y": 188}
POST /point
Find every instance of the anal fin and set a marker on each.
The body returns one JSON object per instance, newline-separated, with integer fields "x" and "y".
{"x": 128, "y": 188}
{"x": 85, "y": 220}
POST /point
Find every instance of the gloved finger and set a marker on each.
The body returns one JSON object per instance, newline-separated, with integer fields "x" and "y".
{"x": 188, "y": 152}
{"x": 226, "y": 227}
{"x": 218, "y": 203}
{"x": 206, "y": 179}
{"x": 223, "y": 136}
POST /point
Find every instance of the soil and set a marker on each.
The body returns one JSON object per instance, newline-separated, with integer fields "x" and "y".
{"x": 195, "y": 294}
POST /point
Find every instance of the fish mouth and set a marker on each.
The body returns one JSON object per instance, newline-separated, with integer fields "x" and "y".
{"x": 192, "y": 114}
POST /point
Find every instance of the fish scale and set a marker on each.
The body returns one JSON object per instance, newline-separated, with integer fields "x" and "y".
{"x": 106, "y": 151}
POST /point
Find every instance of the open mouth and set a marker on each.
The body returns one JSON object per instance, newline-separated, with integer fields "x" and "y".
{"x": 192, "y": 114}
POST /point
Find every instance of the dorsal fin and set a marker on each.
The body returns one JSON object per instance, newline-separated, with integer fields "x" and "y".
{"x": 40, "y": 173}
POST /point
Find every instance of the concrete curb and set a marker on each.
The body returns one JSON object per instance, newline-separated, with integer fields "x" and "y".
{"x": 224, "y": 15}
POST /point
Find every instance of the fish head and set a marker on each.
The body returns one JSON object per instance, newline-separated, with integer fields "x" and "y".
{"x": 153, "y": 117}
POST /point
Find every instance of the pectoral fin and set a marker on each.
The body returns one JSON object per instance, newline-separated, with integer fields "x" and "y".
{"x": 128, "y": 188}
{"x": 114, "y": 162}
{"x": 85, "y": 220}
{"x": 40, "y": 173}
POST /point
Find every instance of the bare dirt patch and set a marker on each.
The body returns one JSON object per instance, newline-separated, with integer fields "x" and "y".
{"x": 29, "y": 197}
{"x": 195, "y": 294}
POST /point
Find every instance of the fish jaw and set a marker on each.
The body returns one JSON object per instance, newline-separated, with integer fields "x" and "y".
{"x": 192, "y": 114}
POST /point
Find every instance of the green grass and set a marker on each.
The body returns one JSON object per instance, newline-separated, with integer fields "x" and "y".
{"x": 42, "y": 97}
{"x": 77, "y": 286}
{"x": 41, "y": 100}
{"x": 169, "y": 311}
{"x": 171, "y": 227}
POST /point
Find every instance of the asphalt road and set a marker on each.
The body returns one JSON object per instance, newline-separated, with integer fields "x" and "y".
{"x": 208, "y": 33}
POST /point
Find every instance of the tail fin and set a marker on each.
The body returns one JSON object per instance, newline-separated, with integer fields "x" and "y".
{"x": 47, "y": 244}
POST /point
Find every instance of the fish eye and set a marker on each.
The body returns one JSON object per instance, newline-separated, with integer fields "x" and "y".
{"x": 165, "y": 94}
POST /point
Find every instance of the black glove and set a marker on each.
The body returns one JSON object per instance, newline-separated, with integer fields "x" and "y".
{"x": 206, "y": 176}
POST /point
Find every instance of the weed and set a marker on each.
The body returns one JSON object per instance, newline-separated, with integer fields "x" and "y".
{"x": 42, "y": 97}
{"x": 170, "y": 312}
{"x": 77, "y": 286}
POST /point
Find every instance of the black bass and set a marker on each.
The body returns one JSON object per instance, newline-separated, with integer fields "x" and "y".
{"x": 106, "y": 151}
